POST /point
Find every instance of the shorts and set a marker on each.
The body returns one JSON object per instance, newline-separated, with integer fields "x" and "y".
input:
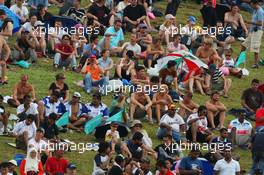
{"x": 219, "y": 86}
{"x": 200, "y": 137}
{"x": 253, "y": 41}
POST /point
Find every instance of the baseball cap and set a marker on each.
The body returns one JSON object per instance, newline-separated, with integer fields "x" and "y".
{"x": 71, "y": 166}
{"x": 142, "y": 26}
{"x": 172, "y": 106}
{"x": 13, "y": 162}
{"x": 169, "y": 16}
{"x": 38, "y": 23}
{"x": 192, "y": 19}
{"x": 77, "y": 94}
{"x": 135, "y": 122}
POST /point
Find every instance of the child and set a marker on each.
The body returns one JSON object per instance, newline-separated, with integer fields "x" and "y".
{"x": 112, "y": 135}
{"x": 228, "y": 65}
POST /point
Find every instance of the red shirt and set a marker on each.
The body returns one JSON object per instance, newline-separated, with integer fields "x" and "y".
{"x": 259, "y": 114}
{"x": 64, "y": 48}
{"x": 55, "y": 165}
{"x": 168, "y": 173}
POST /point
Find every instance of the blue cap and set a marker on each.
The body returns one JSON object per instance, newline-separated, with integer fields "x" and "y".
{"x": 71, "y": 166}
{"x": 192, "y": 19}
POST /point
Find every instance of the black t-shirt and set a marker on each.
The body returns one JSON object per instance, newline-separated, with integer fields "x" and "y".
{"x": 136, "y": 150}
{"x": 253, "y": 98}
{"x": 134, "y": 13}
{"x": 50, "y": 131}
{"x": 62, "y": 92}
{"x": 76, "y": 14}
{"x": 115, "y": 170}
{"x": 99, "y": 12}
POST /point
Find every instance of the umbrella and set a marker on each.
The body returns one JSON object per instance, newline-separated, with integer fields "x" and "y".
{"x": 190, "y": 61}
{"x": 100, "y": 131}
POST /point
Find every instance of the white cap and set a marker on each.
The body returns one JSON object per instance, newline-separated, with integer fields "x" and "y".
{"x": 38, "y": 23}
{"x": 169, "y": 16}
{"x": 77, "y": 94}
{"x": 13, "y": 162}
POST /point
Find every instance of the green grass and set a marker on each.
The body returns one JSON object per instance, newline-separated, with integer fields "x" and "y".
{"x": 42, "y": 74}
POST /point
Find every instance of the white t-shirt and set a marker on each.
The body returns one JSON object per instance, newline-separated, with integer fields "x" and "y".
{"x": 28, "y": 26}
{"x": 110, "y": 137}
{"x": 40, "y": 146}
{"x": 226, "y": 168}
{"x": 20, "y": 12}
{"x": 174, "y": 122}
{"x": 21, "y": 127}
{"x": 59, "y": 32}
{"x": 135, "y": 48}
{"x": 201, "y": 123}
{"x": 33, "y": 109}
{"x": 244, "y": 128}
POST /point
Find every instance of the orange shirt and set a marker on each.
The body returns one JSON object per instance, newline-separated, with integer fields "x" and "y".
{"x": 95, "y": 72}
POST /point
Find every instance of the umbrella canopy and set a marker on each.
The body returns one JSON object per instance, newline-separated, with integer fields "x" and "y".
{"x": 192, "y": 62}
{"x": 100, "y": 131}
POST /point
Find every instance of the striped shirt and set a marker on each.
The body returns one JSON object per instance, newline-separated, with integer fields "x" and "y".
{"x": 216, "y": 75}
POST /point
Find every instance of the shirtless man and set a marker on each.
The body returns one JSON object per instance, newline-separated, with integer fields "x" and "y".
{"x": 77, "y": 110}
{"x": 206, "y": 52}
{"x": 7, "y": 27}
{"x": 187, "y": 106}
{"x": 215, "y": 111}
{"x": 140, "y": 77}
{"x": 5, "y": 53}
{"x": 22, "y": 89}
{"x": 161, "y": 100}
{"x": 142, "y": 100}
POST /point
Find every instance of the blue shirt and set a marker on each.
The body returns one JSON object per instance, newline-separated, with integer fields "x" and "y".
{"x": 37, "y": 2}
{"x": 114, "y": 40}
{"x": 87, "y": 48}
{"x": 56, "y": 107}
{"x": 92, "y": 111}
{"x": 258, "y": 15}
{"x": 187, "y": 163}
{"x": 104, "y": 63}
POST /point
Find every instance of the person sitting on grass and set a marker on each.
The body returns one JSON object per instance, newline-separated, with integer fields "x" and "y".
{"x": 176, "y": 45}
{"x": 113, "y": 38}
{"x": 3, "y": 116}
{"x": 191, "y": 164}
{"x": 22, "y": 89}
{"x": 161, "y": 101}
{"x": 169, "y": 77}
{"x": 198, "y": 130}
{"x": 102, "y": 158}
{"x": 71, "y": 169}
{"x": 25, "y": 48}
{"x": 94, "y": 76}
{"x": 125, "y": 67}
{"x": 154, "y": 52}
{"x": 218, "y": 81}
{"x": 171, "y": 123}
{"x": 187, "y": 106}
{"x": 77, "y": 110}
{"x": 132, "y": 45}
{"x": 28, "y": 107}
{"x": 241, "y": 130}
{"x": 50, "y": 104}
{"x": 228, "y": 65}
{"x": 140, "y": 77}
{"x": 51, "y": 129}
{"x": 57, "y": 163}
{"x": 4, "y": 49}
{"x": 215, "y": 111}
{"x": 24, "y": 131}
{"x": 252, "y": 98}
{"x": 141, "y": 105}
{"x": 112, "y": 135}
{"x": 64, "y": 56}
{"x": 163, "y": 169}
{"x": 61, "y": 87}
{"x": 106, "y": 63}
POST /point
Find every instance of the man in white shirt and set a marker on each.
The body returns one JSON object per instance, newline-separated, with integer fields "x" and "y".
{"x": 227, "y": 166}
{"x": 198, "y": 130}
{"x": 24, "y": 131}
{"x": 171, "y": 123}
{"x": 20, "y": 10}
{"x": 240, "y": 130}
{"x": 27, "y": 108}
{"x": 132, "y": 45}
